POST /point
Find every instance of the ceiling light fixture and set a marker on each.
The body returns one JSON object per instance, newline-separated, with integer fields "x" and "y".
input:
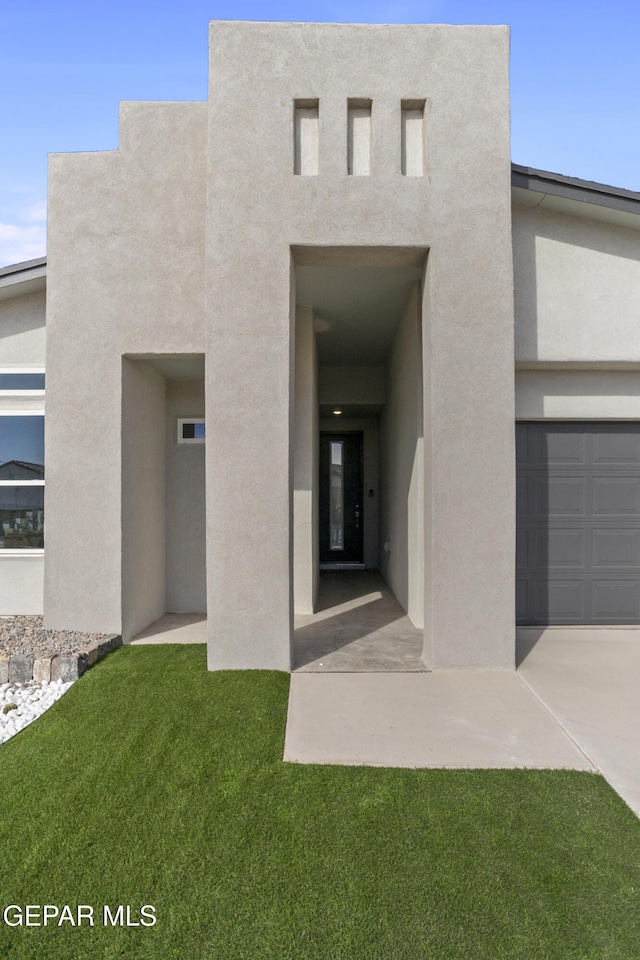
{"x": 337, "y": 413}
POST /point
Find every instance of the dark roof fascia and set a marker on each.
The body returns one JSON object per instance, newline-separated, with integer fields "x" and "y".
{"x": 570, "y": 188}
{"x": 15, "y": 269}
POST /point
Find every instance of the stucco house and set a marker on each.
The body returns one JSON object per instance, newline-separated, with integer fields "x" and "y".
{"x": 333, "y": 270}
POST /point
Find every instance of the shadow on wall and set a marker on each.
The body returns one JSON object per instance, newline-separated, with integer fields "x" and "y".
{"x": 526, "y": 640}
{"x": 531, "y": 227}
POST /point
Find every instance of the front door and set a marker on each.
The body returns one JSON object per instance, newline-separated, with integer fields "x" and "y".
{"x": 341, "y": 510}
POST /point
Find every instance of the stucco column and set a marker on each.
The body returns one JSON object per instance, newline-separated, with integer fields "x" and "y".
{"x": 249, "y": 411}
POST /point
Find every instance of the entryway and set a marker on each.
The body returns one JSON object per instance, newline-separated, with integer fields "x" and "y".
{"x": 175, "y": 628}
{"x": 358, "y": 461}
{"x": 358, "y": 627}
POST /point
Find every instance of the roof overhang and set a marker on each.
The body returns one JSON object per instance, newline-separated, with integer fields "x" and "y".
{"x": 577, "y": 198}
{"x": 21, "y": 278}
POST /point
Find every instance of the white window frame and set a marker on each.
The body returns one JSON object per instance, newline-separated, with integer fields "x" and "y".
{"x": 36, "y": 412}
{"x": 182, "y": 421}
{"x": 22, "y": 393}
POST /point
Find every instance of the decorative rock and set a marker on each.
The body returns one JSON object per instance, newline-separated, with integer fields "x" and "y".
{"x": 112, "y": 642}
{"x": 68, "y": 668}
{"x": 20, "y": 669}
{"x": 42, "y": 669}
{"x": 26, "y": 702}
{"x": 31, "y": 642}
{"x": 91, "y": 656}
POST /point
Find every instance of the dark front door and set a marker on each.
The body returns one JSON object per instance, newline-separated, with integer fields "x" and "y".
{"x": 341, "y": 498}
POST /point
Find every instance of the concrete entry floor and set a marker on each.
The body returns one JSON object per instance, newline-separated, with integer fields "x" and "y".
{"x": 175, "y": 628}
{"x": 358, "y": 627}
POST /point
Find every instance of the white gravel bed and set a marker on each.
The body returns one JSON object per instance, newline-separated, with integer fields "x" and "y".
{"x": 31, "y": 699}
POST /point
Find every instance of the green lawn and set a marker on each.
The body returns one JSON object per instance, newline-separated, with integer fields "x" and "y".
{"x": 155, "y": 782}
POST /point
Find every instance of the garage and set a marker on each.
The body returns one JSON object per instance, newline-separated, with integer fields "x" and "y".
{"x": 578, "y": 523}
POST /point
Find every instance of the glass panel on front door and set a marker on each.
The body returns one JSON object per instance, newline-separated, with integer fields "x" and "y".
{"x": 336, "y": 523}
{"x": 341, "y": 498}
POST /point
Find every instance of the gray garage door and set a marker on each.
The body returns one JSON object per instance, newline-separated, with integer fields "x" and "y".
{"x": 578, "y": 523}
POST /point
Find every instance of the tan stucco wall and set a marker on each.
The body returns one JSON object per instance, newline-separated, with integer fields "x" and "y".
{"x": 186, "y": 542}
{"x": 21, "y": 585}
{"x": 577, "y": 288}
{"x": 402, "y": 529}
{"x": 577, "y": 394}
{"x": 257, "y": 71}
{"x": 125, "y": 276}
{"x": 143, "y": 496}
{"x": 22, "y": 330}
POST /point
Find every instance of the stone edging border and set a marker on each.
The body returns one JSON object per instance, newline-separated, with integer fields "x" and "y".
{"x": 20, "y": 667}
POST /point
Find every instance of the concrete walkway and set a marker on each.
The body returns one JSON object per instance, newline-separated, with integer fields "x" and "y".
{"x": 175, "y": 628}
{"x": 447, "y": 719}
{"x": 574, "y": 703}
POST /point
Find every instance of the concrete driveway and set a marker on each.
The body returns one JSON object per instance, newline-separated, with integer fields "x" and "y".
{"x": 589, "y": 679}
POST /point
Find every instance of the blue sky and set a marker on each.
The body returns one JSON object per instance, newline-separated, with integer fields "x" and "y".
{"x": 65, "y": 65}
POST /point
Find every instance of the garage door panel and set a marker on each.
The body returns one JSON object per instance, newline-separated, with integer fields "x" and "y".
{"x": 523, "y": 550}
{"x": 558, "y": 547}
{"x": 618, "y": 447}
{"x": 616, "y": 497}
{"x": 525, "y": 452}
{"x": 522, "y": 603}
{"x": 615, "y": 601}
{"x": 616, "y": 548}
{"x": 561, "y": 496}
{"x": 562, "y": 601}
{"x": 563, "y": 445}
{"x": 523, "y": 484}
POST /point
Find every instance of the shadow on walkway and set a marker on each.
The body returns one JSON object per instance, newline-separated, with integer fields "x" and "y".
{"x": 359, "y": 627}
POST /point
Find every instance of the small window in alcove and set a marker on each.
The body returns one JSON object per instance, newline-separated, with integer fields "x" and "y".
{"x": 192, "y": 430}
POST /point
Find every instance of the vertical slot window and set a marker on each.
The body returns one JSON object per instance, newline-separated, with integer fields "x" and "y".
{"x": 306, "y": 137}
{"x": 412, "y": 138}
{"x": 359, "y": 138}
{"x": 336, "y": 518}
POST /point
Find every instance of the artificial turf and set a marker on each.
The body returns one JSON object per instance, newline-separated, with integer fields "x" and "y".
{"x": 155, "y": 782}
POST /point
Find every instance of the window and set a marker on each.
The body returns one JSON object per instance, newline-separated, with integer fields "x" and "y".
{"x": 192, "y": 430}
{"x": 22, "y": 382}
{"x": 21, "y": 481}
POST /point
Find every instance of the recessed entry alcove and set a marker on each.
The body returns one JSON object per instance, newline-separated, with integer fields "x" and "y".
{"x": 358, "y": 459}
{"x": 163, "y": 488}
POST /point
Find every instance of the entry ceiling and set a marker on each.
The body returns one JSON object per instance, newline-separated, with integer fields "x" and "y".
{"x": 356, "y": 309}
{"x": 176, "y": 366}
